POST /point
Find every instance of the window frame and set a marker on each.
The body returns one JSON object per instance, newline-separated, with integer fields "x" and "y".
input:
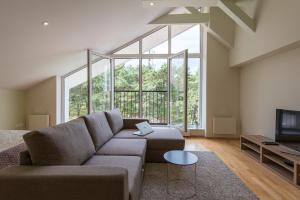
{"x": 140, "y": 57}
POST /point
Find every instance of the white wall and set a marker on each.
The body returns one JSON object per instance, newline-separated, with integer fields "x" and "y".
{"x": 222, "y": 85}
{"x": 42, "y": 99}
{"x": 12, "y": 114}
{"x": 277, "y": 27}
{"x": 221, "y": 26}
{"x": 266, "y": 85}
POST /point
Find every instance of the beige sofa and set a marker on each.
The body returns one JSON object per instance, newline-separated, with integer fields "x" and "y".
{"x": 92, "y": 157}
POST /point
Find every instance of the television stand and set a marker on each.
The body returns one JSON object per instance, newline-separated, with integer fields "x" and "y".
{"x": 292, "y": 145}
{"x": 279, "y": 158}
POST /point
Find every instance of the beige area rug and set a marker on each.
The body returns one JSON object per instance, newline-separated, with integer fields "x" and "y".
{"x": 213, "y": 181}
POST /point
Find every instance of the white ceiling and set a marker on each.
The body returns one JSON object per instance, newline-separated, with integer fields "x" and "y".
{"x": 30, "y": 53}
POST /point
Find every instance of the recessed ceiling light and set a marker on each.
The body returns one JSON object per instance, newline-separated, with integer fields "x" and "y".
{"x": 151, "y": 4}
{"x": 45, "y": 23}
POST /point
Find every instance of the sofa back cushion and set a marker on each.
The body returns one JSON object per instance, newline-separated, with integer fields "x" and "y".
{"x": 66, "y": 144}
{"x": 99, "y": 128}
{"x": 115, "y": 120}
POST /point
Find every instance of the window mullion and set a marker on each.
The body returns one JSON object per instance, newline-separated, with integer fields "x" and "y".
{"x": 169, "y": 40}
{"x": 89, "y": 77}
{"x": 140, "y": 78}
{"x": 201, "y": 89}
{"x": 112, "y": 83}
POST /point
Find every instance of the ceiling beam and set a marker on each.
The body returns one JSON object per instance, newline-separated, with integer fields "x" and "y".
{"x": 193, "y": 18}
{"x": 192, "y": 10}
{"x": 228, "y": 6}
{"x": 237, "y": 15}
{"x": 179, "y": 3}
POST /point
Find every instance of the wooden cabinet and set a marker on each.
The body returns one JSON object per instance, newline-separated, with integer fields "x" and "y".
{"x": 278, "y": 158}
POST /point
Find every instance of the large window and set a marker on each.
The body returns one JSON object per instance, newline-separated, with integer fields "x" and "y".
{"x": 101, "y": 83}
{"x": 136, "y": 78}
{"x": 75, "y": 95}
{"x": 127, "y": 94}
{"x": 157, "y": 42}
{"x": 194, "y": 92}
{"x": 131, "y": 49}
{"x": 155, "y": 90}
{"x": 185, "y": 37}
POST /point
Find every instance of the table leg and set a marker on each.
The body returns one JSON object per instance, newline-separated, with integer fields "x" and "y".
{"x": 194, "y": 182}
{"x": 195, "y": 178}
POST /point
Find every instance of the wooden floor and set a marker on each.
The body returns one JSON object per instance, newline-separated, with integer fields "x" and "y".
{"x": 266, "y": 184}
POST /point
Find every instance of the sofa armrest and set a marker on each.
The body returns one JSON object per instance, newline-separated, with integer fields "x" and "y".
{"x": 130, "y": 123}
{"x": 64, "y": 183}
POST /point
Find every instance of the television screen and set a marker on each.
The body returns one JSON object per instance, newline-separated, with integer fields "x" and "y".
{"x": 290, "y": 120}
{"x": 287, "y": 125}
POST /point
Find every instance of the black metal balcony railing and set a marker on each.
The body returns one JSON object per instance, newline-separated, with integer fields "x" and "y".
{"x": 153, "y": 104}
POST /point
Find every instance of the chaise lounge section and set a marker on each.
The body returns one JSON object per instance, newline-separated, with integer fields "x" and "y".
{"x": 95, "y": 156}
{"x": 161, "y": 140}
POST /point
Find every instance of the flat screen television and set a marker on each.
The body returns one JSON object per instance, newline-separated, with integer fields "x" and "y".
{"x": 288, "y": 128}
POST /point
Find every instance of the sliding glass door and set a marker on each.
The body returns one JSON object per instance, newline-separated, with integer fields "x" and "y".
{"x": 178, "y": 90}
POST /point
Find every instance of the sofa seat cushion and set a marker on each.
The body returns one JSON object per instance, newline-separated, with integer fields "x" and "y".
{"x": 128, "y": 134}
{"x": 162, "y": 138}
{"x": 132, "y": 163}
{"x": 65, "y": 144}
{"x": 99, "y": 128}
{"x": 124, "y": 147}
{"x": 115, "y": 120}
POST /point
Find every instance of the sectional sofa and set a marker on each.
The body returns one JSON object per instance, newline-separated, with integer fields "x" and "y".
{"x": 93, "y": 157}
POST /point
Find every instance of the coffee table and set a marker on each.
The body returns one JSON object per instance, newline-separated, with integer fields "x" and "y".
{"x": 181, "y": 159}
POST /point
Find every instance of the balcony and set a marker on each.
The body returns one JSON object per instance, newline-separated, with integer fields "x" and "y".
{"x": 154, "y": 104}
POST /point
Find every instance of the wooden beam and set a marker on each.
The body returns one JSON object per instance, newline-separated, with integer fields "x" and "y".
{"x": 228, "y": 6}
{"x": 194, "y": 18}
{"x": 179, "y": 3}
{"x": 237, "y": 15}
{"x": 192, "y": 10}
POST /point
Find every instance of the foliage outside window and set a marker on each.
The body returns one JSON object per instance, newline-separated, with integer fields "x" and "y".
{"x": 76, "y": 95}
{"x": 194, "y": 92}
{"x": 155, "y": 90}
{"x": 127, "y": 95}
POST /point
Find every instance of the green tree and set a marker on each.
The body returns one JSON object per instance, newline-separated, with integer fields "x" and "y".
{"x": 78, "y": 101}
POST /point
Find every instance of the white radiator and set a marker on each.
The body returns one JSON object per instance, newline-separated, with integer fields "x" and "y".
{"x": 224, "y": 126}
{"x": 37, "y": 122}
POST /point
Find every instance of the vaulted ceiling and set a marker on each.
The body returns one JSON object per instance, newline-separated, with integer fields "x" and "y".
{"x": 30, "y": 52}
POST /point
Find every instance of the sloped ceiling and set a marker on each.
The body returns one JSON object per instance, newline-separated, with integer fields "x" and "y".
{"x": 30, "y": 52}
